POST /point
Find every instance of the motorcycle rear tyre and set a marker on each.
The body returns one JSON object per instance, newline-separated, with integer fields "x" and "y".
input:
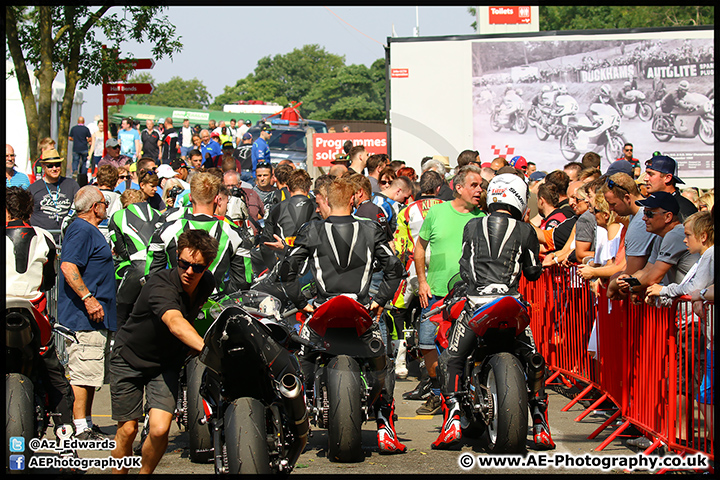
{"x": 504, "y": 377}
{"x": 19, "y": 413}
{"x": 246, "y": 437}
{"x": 199, "y": 436}
{"x": 661, "y": 123}
{"x": 345, "y": 416}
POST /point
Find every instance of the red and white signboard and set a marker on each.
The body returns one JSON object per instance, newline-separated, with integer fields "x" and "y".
{"x": 139, "y": 63}
{"x": 509, "y": 15}
{"x": 399, "y": 73}
{"x": 129, "y": 88}
{"x": 327, "y": 145}
{"x": 115, "y": 100}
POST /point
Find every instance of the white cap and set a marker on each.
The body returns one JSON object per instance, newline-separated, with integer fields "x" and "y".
{"x": 165, "y": 171}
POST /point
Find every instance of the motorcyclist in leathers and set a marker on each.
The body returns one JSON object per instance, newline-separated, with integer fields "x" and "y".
{"x": 496, "y": 250}
{"x": 341, "y": 250}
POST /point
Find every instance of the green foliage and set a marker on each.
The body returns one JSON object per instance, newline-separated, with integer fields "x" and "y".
{"x": 327, "y": 87}
{"x": 578, "y": 17}
{"x": 174, "y": 93}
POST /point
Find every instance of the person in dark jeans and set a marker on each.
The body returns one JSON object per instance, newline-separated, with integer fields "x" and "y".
{"x": 82, "y": 138}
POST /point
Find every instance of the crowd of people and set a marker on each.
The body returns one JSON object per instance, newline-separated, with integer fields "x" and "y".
{"x": 164, "y": 223}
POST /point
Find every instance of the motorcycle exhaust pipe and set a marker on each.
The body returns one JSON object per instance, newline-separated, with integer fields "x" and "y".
{"x": 291, "y": 390}
{"x": 536, "y": 373}
{"x": 375, "y": 345}
{"x": 18, "y": 332}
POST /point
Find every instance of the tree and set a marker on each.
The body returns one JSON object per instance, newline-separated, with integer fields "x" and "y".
{"x": 587, "y": 18}
{"x": 175, "y": 93}
{"x": 284, "y": 78}
{"x": 49, "y": 39}
{"x": 350, "y": 93}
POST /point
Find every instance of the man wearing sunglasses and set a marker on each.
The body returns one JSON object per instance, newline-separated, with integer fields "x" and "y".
{"x": 53, "y": 194}
{"x": 113, "y": 156}
{"x": 152, "y": 345}
{"x": 87, "y": 303}
{"x": 670, "y": 258}
{"x": 621, "y": 193}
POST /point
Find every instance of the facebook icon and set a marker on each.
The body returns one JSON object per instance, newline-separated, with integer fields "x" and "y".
{"x": 17, "y": 462}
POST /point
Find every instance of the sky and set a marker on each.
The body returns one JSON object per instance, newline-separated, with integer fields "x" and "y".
{"x": 224, "y": 44}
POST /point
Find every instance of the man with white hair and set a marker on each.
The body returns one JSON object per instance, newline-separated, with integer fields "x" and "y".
{"x": 86, "y": 298}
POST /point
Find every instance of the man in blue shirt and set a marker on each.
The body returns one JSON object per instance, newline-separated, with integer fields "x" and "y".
{"x": 129, "y": 137}
{"x": 13, "y": 178}
{"x": 208, "y": 147}
{"x": 260, "y": 150}
{"x": 86, "y": 300}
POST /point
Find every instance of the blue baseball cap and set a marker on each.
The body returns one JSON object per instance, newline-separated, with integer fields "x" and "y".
{"x": 663, "y": 200}
{"x": 664, "y": 164}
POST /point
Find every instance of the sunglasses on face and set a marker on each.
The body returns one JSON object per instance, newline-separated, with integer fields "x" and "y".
{"x": 651, "y": 214}
{"x": 103, "y": 202}
{"x": 384, "y": 182}
{"x": 197, "y": 267}
{"x": 52, "y": 165}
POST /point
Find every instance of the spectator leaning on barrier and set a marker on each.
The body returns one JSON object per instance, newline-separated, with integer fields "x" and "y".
{"x": 670, "y": 259}
{"x": 621, "y": 193}
{"x": 661, "y": 176}
{"x": 86, "y": 304}
{"x": 699, "y": 230}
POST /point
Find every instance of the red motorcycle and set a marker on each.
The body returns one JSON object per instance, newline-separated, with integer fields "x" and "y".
{"x": 345, "y": 387}
{"x": 494, "y": 391}
{"x": 28, "y": 337}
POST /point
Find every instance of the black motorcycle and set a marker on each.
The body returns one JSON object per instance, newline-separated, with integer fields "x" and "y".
{"x": 252, "y": 388}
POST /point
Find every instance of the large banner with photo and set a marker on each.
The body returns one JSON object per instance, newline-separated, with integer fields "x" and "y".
{"x": 553, "y": 99}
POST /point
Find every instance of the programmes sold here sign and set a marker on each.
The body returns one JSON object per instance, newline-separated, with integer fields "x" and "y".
{"x": 327, "y": 145}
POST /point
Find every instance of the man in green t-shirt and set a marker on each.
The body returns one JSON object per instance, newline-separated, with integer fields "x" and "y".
{"x": 441, "y": 233}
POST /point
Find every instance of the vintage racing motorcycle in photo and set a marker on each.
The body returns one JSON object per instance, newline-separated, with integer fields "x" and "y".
{"x": 604, "y": 135}
{"x": 680, "y": 123}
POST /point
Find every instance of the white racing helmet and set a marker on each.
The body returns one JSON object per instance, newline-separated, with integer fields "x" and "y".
{"x": 508, "y": 191}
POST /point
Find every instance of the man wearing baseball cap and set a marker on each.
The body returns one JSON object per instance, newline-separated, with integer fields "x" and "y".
{"x": 53, "y": 194}
{"x": 661, "y": 176}
{"x": 260, "y": 151}
{"x": 519, "y": 163}
{"x": 670, "y": 258}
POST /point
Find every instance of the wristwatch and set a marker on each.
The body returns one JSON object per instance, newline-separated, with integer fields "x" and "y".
{"x": 702, "y": 294}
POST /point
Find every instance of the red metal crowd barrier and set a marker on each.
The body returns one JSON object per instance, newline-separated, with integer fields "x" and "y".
{"x": 654, "y": 363}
